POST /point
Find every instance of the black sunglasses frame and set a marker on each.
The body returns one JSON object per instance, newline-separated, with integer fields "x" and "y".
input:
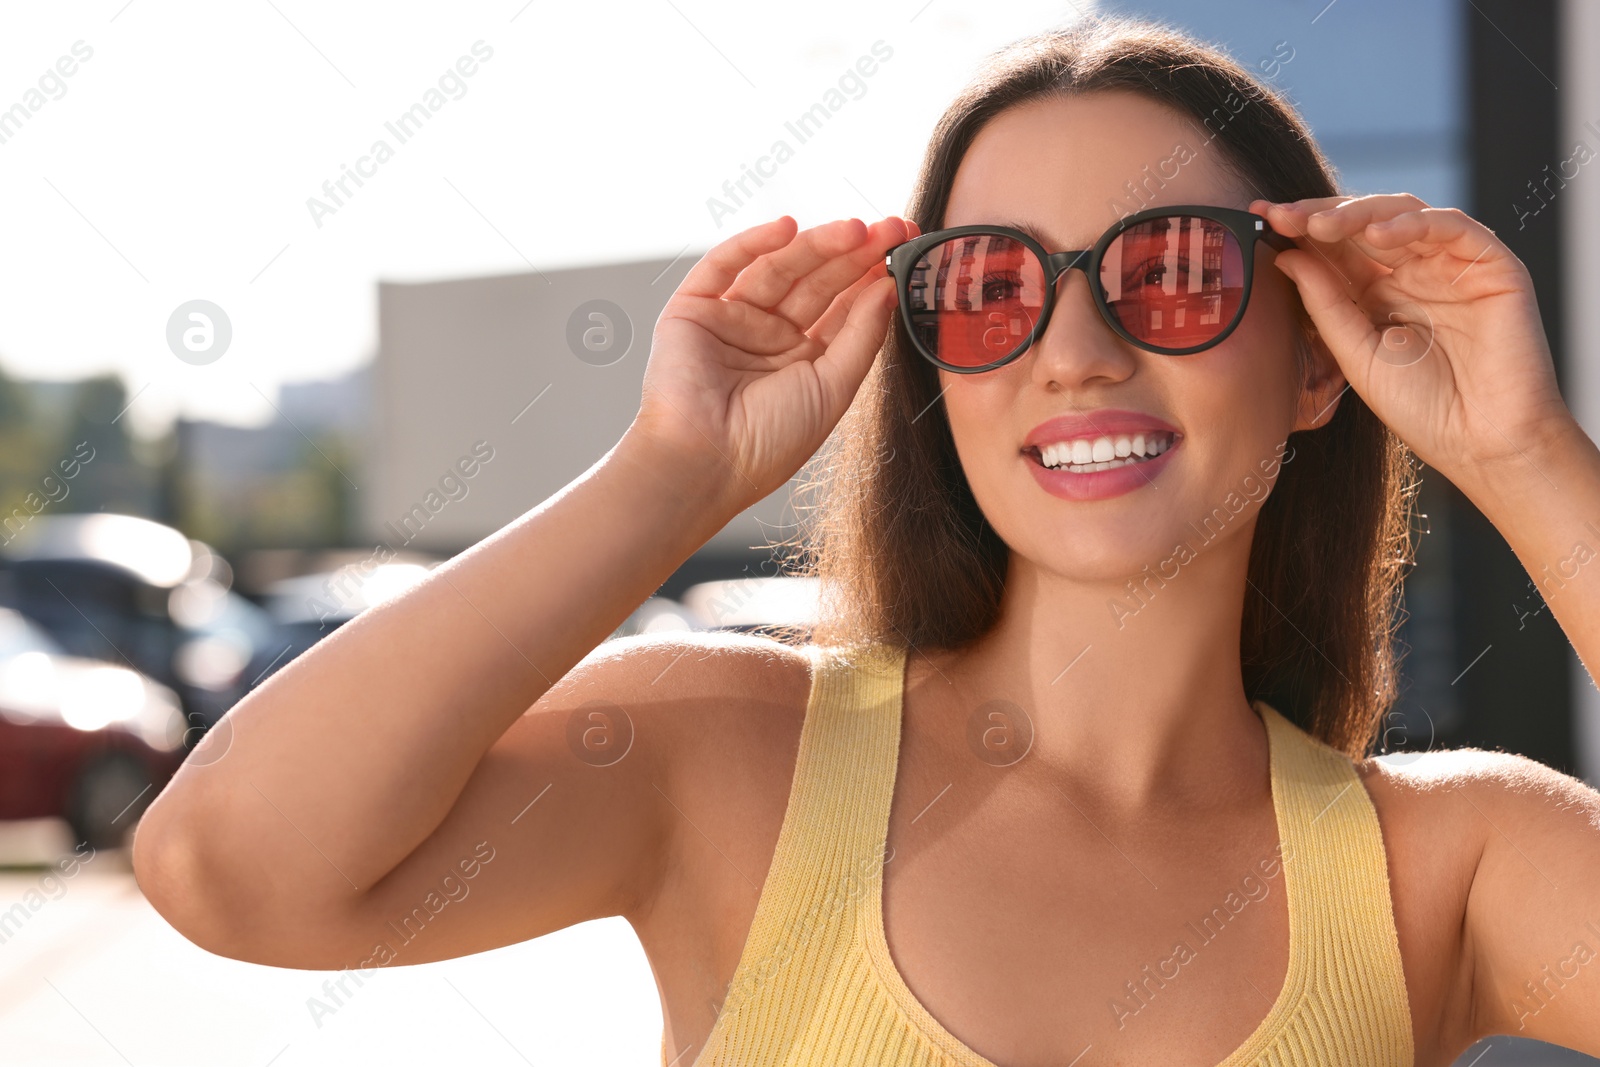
{"x": 1246, "y": 227}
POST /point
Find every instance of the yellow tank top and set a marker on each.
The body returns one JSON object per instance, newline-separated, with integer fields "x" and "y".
{"x": 815, "y": 984}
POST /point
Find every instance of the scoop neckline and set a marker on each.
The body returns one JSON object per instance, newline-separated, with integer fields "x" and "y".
{"x": 888, "y": 971}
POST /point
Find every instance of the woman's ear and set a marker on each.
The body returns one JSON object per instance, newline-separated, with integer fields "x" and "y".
{"x": 1323, "y": 385}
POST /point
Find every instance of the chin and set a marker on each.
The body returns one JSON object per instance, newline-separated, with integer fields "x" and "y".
{"x": 1103, "y": 555}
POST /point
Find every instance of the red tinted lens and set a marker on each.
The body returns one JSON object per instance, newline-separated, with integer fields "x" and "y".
{"x": 975, "y": 299}
{"x": 1174, "y": 282}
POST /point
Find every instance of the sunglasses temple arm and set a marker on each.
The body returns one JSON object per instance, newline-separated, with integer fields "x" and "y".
{"x": 1276, "y": 240}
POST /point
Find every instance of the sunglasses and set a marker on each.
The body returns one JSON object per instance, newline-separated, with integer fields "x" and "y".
{"x": 1171, "y": 280}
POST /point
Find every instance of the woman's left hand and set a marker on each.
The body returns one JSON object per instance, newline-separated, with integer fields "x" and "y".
{"x": 1433, "y": 322}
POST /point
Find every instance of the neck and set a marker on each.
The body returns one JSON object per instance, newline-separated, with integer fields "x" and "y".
{"x": 1135, "y": 693}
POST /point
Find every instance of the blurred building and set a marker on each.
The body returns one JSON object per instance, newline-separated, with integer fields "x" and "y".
{"x": 493, "y": 393}
{"x": 289, "y": 482}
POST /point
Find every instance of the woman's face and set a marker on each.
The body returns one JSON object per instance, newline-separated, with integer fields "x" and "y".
{"x": 1069, "y": 168}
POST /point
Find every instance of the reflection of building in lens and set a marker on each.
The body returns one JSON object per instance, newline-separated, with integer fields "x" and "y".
{"x": 959, "y": 254}
{"x": 1184, "y": 306}
{"x": 1209, "y": 283}
{"x": 917, "y": 303}
{"x": 924, "y": 316}
{"x": 963, "y": 289}
{"x": 969, "y": 298}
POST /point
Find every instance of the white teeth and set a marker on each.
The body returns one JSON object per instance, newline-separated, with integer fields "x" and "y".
{"x": 1086, "y": 454}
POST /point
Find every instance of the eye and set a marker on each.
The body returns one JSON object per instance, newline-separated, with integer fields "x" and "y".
{"x": 1153, "y": 272}
{"x": 1001, "y": 287}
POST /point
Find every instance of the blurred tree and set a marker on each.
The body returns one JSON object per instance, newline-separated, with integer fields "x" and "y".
{"x": 21, "y": 443}
{"x": 114, "y": 480}
{"x": 278, "y": 489}
{"x": 295, "y": 499}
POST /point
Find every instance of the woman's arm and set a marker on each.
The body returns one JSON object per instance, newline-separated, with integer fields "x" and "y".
{"x": 348, "y": 760}
{"x": 1468, "y": 383}
{"x": 1533, "y": 912}
{"x": 397, "y": 751}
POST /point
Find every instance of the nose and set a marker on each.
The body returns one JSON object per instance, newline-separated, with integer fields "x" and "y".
{"x": 1077, "y": 345}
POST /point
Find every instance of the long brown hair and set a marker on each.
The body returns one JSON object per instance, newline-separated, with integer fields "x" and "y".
{"x": 905, "y": 555}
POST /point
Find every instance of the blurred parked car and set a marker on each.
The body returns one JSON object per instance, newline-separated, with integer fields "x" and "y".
{"x": 82, "y": 740}
{"x": 783, "y": 607}
{"x": 308, "y": 607}
{"x": 138, "y": 593}
{"x": 657, "y": 614}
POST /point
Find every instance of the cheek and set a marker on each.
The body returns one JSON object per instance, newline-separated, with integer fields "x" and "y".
{"x": 1257, "y": 364}
{"x": 981, "y": 410}
{"x": 1272, "y": 328}
{"x": 1240, "y": 406}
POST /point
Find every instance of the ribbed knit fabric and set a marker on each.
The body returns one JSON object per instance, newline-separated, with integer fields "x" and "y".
{"x": 815, "y": 984}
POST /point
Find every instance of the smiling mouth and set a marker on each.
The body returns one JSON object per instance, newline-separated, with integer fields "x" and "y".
{"x": 1085, "y": 455}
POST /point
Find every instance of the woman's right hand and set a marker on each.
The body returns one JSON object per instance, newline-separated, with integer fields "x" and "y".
{"x": 761, "y": 349}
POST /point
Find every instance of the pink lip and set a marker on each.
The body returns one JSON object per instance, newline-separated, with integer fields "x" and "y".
{"x": 1097, "y": 485}
{"x": 1105, "y": 421}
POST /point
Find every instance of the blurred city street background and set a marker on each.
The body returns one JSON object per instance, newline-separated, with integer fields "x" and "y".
{"x": 258, "y": 374}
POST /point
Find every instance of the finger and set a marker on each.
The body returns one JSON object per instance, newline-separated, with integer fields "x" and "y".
{"x": 770, "y": 278}
{"x": 719, "y": 267}
{"x": 1343, "y": 221}
{"x": 1448, "y": 229}
{"x": 1354, "y": 267}
{"x": 812, "y": 295}
{"x": 844, "y": 365}
{"x": 1353, "y": 223}
{"x": 737, "y": 324}
{"x": 828, "y": 326}
{"x": 1343, "y": 326}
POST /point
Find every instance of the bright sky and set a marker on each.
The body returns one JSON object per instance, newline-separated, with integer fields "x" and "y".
{"x": 175, "y": 162}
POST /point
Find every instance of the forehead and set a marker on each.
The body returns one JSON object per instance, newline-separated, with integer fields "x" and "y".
{"x": 1072, "y": 166}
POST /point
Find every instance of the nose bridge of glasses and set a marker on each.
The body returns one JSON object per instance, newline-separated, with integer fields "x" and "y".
{"x": 1061, "y": 262}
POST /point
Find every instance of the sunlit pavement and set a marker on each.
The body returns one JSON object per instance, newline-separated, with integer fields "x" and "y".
{"x": 90, "y": 974}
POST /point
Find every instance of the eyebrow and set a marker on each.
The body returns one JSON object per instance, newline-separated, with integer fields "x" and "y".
{"x": 1033, "y": 231}
{"x": 1028, "y": 228}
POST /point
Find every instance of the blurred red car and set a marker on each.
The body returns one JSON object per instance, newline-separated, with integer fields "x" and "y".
{"x": 80, "y": 739}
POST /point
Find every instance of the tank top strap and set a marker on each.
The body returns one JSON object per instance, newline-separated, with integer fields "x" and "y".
{"x": 830, "y": 847}
{"x": 1341, "y": 915}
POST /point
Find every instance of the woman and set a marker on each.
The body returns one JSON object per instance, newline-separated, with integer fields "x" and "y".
{"x": 1025, "y": 800}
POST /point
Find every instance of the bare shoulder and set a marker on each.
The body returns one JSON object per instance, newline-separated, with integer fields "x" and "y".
{"x": 720, "y": 713}
{"x": 1449, "y": 767}
{"x": 1448, "y": 817}
{"x": 725, "y": 711}
{"x": 693, "y": 684}
{"x": 1439, "y": 808}
{"x": 1459, "y": 791}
